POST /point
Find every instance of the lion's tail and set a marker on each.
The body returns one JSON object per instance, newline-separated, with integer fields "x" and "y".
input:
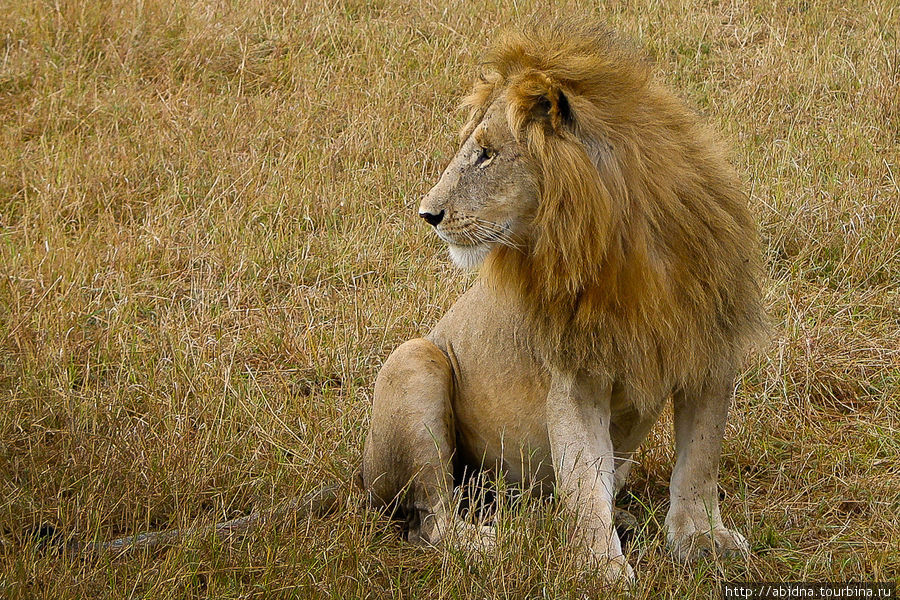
{"x": 321, "y": 501}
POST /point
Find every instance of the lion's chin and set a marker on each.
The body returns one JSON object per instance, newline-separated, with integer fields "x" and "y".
{"x": 469, "y": 257}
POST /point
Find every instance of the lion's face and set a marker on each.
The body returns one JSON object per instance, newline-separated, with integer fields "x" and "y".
{"x": 488, "y": 194}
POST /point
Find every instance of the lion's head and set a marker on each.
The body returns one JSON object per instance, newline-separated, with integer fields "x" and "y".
{"x": 593, "y": 192}
{"x": 488, "y": 194}
{"x": 528, "y": 172}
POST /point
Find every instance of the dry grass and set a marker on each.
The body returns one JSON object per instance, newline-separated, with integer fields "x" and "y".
{"x": 209, "y": 245}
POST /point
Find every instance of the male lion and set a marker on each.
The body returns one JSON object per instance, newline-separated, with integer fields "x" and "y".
{"x": 619, "y": 267}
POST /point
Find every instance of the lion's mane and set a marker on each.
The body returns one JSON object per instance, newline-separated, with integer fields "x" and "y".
{"x": 643, "y": 262}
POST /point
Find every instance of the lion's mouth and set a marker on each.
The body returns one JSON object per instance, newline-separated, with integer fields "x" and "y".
{"x": 485, "y": 234}
{"x": 460, "y": 240}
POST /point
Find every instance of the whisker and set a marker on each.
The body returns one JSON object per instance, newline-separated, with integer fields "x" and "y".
{"x": 481, "y": 231}
{"x": 499, "y": 233}
{"x": 485, "y": 234}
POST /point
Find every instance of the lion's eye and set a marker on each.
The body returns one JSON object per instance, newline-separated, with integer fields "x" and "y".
{"x": 483, "y": 157}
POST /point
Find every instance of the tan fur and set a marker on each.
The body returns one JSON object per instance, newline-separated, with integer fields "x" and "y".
{"x": 620, "y": 268}
{"x": 646, "y": 262}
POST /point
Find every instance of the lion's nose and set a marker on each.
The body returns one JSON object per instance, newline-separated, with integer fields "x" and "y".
{"x": 432, "y": 218}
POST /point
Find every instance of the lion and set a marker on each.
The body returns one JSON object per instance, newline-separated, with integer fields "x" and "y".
{"x": 619, "y": 266}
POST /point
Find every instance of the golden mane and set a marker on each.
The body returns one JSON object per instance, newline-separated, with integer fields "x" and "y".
{"x": 643, "y": 263}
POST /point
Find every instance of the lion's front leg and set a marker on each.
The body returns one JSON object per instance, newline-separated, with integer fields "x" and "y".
{"x": 578, "y": 419}
{"x": 694, "y": 524}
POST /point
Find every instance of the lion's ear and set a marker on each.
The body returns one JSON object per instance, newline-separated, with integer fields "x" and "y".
{"x": 544, "y": 100}
{"x": 555, "y": 107}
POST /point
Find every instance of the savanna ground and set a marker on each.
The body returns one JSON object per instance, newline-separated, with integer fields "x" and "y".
{"x": 209, "y": 245}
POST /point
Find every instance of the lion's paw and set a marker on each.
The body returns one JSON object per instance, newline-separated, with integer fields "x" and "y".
{"x": 484, "y": 539}
{"x": 473, "y": 539}
{"x": 719, "y": 542}
{"x": 616, "y": 570}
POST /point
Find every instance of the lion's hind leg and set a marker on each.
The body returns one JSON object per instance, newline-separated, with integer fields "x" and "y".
{"x": 409, "y": 452}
